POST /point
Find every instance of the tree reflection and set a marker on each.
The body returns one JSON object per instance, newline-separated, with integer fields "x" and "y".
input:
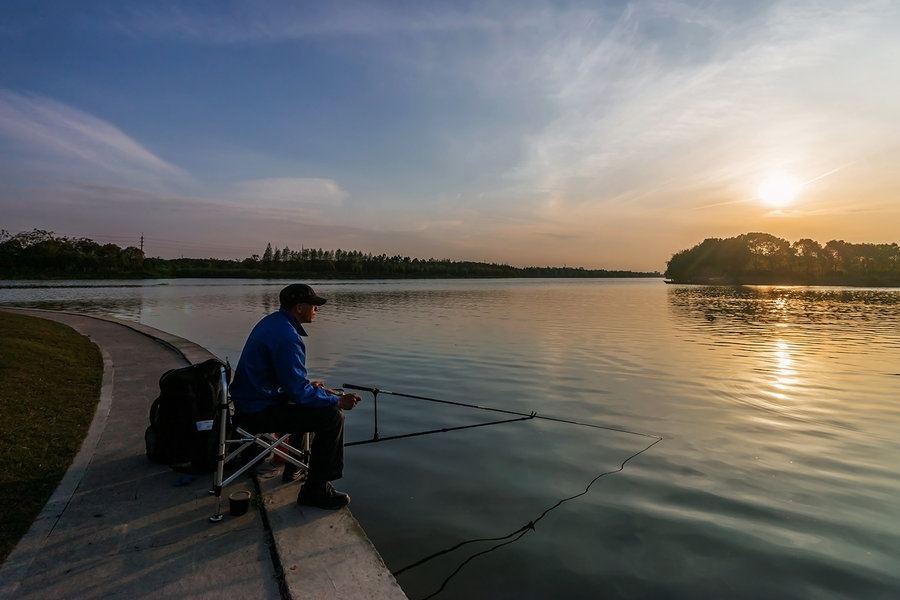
{"x": 735, "y": 308}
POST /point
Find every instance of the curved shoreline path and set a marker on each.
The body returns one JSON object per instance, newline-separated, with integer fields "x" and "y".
{"x": 117, "y": 526}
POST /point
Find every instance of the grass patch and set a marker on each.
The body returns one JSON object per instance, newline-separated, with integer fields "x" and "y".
{"x": 50, "y": 378}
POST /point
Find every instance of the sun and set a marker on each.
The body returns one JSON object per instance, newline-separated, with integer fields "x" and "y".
{"x": 779, "y": 190}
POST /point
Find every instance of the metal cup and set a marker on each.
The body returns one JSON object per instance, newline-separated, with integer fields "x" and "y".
{"x": 238, "y": 503}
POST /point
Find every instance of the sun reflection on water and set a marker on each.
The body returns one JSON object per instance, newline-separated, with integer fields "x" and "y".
{"x": 784, "y": 365}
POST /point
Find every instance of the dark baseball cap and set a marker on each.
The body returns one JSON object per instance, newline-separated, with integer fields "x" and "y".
{"x": 299, "y": 293}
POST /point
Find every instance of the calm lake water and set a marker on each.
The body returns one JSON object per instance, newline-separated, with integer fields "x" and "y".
{"x": 778, "y": 407}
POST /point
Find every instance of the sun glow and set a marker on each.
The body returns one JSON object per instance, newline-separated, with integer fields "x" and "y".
{"x": 778, "y": 190}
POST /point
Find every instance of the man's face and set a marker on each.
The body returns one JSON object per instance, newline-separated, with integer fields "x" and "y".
{"x": 306, "y": 312}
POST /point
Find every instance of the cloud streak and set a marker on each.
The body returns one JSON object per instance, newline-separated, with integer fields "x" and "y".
{"x": 54, "y": 133}
{"x": 291, "y": 192}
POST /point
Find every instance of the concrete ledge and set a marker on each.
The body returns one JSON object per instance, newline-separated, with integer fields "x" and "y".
{"x": 325, "y": 554}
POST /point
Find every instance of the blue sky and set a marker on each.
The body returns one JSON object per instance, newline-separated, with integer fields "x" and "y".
{"x": 596, "y": 134}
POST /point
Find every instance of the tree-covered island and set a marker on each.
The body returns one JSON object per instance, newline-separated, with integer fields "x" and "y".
{"x": 763, "y": 259}
{"x": 40, "y": 254}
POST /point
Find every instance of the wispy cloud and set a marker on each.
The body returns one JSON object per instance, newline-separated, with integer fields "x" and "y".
{"x": 290, "y": 192}
{"x": 60, "y": 137}
{"x": 78, "y": 156}
{"x": 634, "y": 109}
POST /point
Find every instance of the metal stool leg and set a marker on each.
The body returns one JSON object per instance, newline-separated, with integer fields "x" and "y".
{"x": 220, "y": 457}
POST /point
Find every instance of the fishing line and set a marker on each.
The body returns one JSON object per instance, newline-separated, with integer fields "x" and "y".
{"x": 521, "y": 531}
{"x": 515, "y": 535}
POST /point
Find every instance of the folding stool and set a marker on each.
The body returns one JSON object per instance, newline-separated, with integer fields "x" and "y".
{"x": 234, "y": 440}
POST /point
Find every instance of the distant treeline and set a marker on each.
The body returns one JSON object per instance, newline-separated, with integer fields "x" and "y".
{"x": 761, "y": 258}
{"x": 41, "y": 254}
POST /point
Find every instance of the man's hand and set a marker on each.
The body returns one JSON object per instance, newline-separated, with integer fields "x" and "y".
{"x": 348, "y": 401}
{"x": 318, "y": 384}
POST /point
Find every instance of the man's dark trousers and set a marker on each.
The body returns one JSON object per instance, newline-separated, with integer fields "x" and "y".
{"x": 326, "y": 462}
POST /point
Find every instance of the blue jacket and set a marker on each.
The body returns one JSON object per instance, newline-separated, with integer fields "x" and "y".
{"x": 272, "y": 368}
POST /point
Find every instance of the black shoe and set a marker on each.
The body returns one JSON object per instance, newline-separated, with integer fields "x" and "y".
{"x": 292, "y": 473}
{"x": 322, "y": 496}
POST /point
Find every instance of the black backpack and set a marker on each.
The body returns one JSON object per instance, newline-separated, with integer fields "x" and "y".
{"x": 184, "y": 426}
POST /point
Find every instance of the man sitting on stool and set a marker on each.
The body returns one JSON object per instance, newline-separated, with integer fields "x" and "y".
{"x": 271, "y": 392}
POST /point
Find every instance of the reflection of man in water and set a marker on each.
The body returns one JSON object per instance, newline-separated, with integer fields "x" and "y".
{"x": 271, "y": 392}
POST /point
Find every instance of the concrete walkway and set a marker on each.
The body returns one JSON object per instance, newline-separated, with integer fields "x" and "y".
{"x": 120, "y": 526}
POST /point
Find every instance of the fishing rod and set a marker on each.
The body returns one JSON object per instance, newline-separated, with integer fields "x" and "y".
{"x": 522, "y": 416}
{"x": 377, "y": 438}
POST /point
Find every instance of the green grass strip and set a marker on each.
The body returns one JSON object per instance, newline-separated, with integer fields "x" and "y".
{"x": 50, "y": 378}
